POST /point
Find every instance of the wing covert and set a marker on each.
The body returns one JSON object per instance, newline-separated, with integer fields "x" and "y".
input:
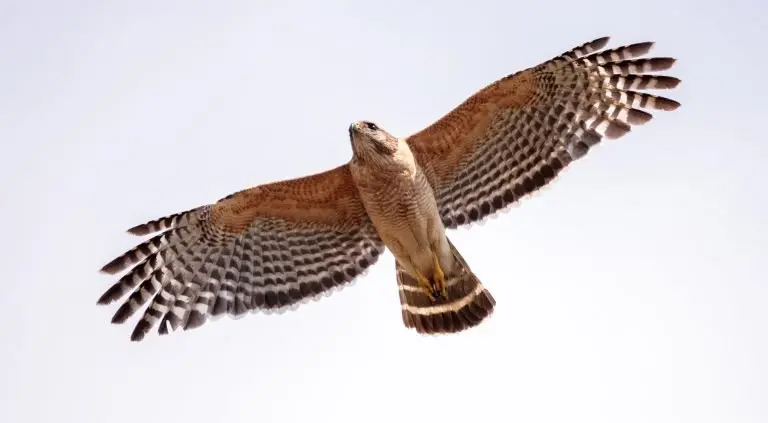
{"x": 266, "y": 248}
{"x": 515, "y": 135}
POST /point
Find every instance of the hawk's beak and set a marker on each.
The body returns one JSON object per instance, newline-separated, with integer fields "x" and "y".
{"x": 352, "y": 129}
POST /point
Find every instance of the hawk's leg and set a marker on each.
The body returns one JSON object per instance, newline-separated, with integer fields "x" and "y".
{"x": 436, "y": 286}
{"x": 439, "y": 278}
{"x": 425, "y": 285}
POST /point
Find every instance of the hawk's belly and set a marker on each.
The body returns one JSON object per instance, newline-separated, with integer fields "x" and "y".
{"x": 402, "y": 207}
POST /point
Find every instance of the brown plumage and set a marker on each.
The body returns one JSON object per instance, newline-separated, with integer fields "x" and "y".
{"x": 279, "y": 244}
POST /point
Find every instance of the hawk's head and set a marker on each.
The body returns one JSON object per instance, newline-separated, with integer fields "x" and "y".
{"x": 369, "y": 141}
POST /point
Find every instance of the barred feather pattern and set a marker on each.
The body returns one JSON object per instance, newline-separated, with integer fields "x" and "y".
{"x": 191, "y": 271}
{"x": 467, "y": 303}
{"x": 580, "y": 98}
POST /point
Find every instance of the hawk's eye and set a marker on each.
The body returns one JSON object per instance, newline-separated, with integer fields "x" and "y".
{"x": 371, "y": 126}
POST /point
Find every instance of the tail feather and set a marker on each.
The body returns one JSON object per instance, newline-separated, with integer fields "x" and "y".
{"x": 467, "y": 304}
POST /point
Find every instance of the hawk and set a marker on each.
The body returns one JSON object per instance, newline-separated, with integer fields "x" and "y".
{"x": 279, "y": 244}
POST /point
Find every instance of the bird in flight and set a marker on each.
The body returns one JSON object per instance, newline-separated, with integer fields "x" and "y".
{"x": 279, "y": 244}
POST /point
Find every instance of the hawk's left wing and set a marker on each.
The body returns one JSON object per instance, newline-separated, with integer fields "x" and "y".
{"x": 263, "y": 248}
{"x": 515, "y": 135}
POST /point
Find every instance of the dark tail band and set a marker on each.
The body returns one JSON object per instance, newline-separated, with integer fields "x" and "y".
{"x": 468, "y": 302}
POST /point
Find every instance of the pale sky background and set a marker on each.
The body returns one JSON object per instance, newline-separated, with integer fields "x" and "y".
{"x": 631, "y": 290}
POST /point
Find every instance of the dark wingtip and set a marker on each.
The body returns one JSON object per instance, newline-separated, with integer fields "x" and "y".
{"x": 140, "y": 331}
{"x": 122, "y": 314}
{"x": 638, "y": 117}
{"x": 671, "y": 82}
{"x": 162, "y": 328}
{"x": 599, "y": 43}
{"x": 663, "y": 63}
{"x": 639, "y": 49}
{"x": 114, "y": 266}
{"x": 670, "y": 105}
{"x": 109, "y": 296}
{"x": 140, "y": 230}
{"x": 617, "y": 129}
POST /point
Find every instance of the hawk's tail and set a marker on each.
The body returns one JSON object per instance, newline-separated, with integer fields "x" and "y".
{"x": 468, "y": 302}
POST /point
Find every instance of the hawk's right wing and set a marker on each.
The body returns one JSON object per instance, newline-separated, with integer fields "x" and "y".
{"x": 516, "y": 134}
{"x": 263, "y": 248}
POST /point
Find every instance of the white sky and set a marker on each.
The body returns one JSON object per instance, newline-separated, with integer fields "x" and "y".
{"x": 631, "y": 290}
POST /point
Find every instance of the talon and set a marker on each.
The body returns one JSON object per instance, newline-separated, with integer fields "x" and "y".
{"x": 426, "y": 286}
{"x": 439, "y": 278}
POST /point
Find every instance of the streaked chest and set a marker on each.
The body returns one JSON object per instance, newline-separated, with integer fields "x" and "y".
{"x": 396, "y": 195}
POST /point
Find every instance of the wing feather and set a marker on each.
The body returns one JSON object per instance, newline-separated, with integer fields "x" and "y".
{"x": 266, "y": 248}
{"x": 515, "y": 135}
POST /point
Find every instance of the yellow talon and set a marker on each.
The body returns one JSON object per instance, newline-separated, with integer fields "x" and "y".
{"x": 426, "y": 286}
{"x": 439, "y": 277}
{"x": 437, "y": 285}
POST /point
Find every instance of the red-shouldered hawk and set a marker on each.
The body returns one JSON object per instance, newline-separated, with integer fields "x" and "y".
{"x": 278, "y": 244}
